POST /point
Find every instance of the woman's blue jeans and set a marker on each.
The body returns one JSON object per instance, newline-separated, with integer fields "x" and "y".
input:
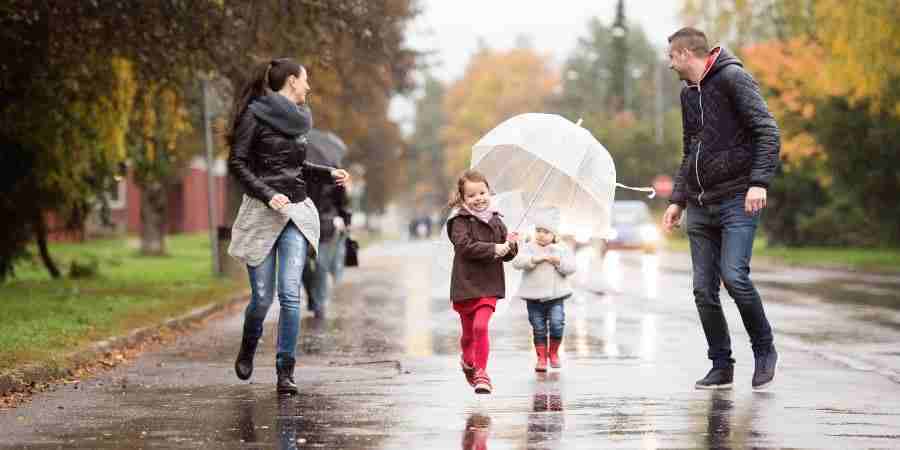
{"x": 721, "y": 237}
{"x": 546, "y": 318}
{"x": 281, "y": 269}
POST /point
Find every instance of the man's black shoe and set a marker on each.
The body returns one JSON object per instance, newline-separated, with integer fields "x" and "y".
{"x": 717, "y": 378}
{"x": 764, "y": 373}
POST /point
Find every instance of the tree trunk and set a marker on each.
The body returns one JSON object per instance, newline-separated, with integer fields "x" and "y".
{"x": 154, "y": 215}
{"x": 40, "y": 234}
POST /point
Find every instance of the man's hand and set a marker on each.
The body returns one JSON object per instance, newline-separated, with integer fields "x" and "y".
{"x": 339, "y": 224}
{"x": 756, "y": 200}
{"x": 278, "y": 201}
{"x": 500, "y": 250}
{"x": 671, "y": 217}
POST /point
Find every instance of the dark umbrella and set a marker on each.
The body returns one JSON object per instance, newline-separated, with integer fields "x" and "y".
{"x": 325, "y": 148}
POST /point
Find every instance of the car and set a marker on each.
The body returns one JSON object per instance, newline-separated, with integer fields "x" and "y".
{"x": 420, "y": 227}
{"x": 633, "y": 227}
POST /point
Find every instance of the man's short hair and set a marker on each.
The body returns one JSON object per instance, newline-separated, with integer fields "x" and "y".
{"x": 691, "y": 39}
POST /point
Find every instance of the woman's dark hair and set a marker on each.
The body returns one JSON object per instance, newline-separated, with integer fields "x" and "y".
{"x": 268, "y": 77}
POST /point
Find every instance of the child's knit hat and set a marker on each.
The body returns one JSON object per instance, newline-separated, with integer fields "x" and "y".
{"x": 547, "y": 218}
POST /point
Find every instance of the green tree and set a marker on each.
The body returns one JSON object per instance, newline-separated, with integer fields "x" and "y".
{"x": 643, "y": 139}
{"x": 68, "y": 86}
{"x": 63, "y": 120}
{"x": 68, "y": 103}
{"x": 157, "y": 156}
{"x": 427, "y": 148}
{"x": 487, "y": 95}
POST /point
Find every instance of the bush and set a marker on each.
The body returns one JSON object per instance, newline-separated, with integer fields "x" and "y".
{"x": 795, "y": 194}
{"x": 85, "y": 269}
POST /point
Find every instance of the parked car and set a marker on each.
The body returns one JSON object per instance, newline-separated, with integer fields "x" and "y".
{"x": 633, "y": 227}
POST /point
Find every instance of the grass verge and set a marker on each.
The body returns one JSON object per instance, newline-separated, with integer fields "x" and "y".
{"x": 864, "y": 259}
{"x": 45, "y": 319}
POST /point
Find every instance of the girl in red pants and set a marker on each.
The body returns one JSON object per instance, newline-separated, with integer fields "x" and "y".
{"x": 481, "y": 244}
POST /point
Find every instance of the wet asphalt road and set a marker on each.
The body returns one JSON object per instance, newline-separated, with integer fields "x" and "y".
{"x": 381, "y": 373}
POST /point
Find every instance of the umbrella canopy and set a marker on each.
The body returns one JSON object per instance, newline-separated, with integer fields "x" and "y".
{"x": 553, "y": 163}
{"x": 325, "y": 148}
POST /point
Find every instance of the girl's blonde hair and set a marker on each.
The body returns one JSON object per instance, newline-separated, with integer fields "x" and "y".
{"x": 471, "y": 176}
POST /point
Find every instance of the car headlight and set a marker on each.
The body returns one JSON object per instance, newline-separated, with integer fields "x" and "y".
{"x": 649, "y": 233}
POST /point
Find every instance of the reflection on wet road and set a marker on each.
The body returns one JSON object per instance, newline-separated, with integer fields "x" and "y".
{"x": 382, "y": 373}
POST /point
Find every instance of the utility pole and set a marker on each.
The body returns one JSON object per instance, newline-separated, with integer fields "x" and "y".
{"x": 210, "y": 182}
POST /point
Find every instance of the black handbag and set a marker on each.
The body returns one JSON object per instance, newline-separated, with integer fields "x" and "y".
{"x": 351, "y": 258}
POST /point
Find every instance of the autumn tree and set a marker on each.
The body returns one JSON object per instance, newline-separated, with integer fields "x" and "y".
{"x": 496, "y": 85}
{"x": 833, "y": 89}
{"x": 357, "y": 60}
{"x": 427, "y": 147}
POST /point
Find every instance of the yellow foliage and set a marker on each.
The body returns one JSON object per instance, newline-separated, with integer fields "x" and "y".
{"x": 791, "y": 72}
{"x": 863, "y": 42}
{"x": 119, "y": 104}
{"x": 161, "y": 118}
{"x": 93, "y": 127}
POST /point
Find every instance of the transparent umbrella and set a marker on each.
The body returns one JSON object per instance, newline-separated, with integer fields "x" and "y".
{"x": 553, "y": 162}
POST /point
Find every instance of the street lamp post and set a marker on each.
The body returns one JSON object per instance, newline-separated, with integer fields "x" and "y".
{"x": 620, "y": 57}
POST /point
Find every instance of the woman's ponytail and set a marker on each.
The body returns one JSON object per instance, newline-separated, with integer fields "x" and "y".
{"x": 253, "y": 88}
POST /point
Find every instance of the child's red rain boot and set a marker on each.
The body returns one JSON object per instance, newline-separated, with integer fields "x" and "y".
{"x": 554, "y": 353}
{"x": 541, "y": 351}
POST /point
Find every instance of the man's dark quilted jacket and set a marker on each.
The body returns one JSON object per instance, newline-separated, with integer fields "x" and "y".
{"x": 731, "y": 141}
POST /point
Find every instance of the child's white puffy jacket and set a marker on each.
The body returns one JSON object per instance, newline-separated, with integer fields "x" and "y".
{"x": 543, "y": 281}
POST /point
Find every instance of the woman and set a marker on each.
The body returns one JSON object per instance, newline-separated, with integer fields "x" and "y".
{"x": 277, "y": 222}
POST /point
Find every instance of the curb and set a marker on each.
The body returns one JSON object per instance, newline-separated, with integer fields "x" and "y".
{"x": 30, "y": 377}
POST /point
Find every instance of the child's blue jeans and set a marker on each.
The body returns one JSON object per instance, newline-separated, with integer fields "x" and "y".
{"x": 546, "y": 318}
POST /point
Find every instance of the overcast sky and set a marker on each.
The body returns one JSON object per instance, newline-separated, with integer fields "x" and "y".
{"x": 451, "y": 29}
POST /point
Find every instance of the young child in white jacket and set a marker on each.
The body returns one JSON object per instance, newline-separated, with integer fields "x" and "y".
{"x": 546, "y": 266}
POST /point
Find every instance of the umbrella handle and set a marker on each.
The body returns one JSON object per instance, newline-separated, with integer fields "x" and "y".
{"x": 639, "y": 189}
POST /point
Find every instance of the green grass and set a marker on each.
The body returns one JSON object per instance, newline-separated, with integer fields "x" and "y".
{"x": 870, "y": 259}
{"x": 887, "y": 260}
{"x": 45, "y": 319}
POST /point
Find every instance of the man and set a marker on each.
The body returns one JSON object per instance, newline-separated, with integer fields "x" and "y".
{"x": 334, "y": 217}
{"x": 731, "y": 146}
